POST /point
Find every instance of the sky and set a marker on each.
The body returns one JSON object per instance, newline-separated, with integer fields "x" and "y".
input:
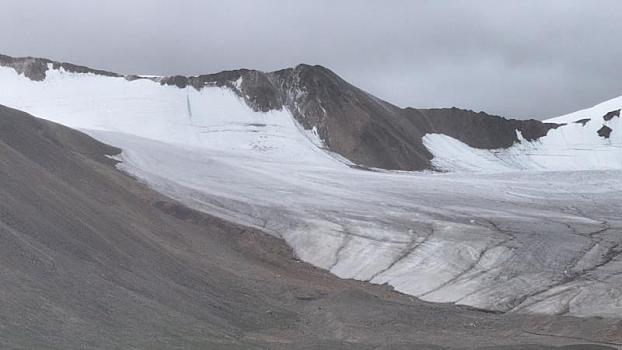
{"x": 521, "y": 59}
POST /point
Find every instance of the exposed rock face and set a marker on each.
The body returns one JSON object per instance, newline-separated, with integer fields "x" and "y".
{"x": 36, "y": 68}
{"x": 611, "y": 115}
{"x": 583, "y": 121}
{"x": 605, "y": 131}
{"x": 364, "y": 129}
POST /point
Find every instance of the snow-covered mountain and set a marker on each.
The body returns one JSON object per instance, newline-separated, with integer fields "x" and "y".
{"x": 587, "y": 139}
{"x": 212, "y": 117}
{"x": 281, "y": 151}
{"x": 331, "y": 114}
{"x": 338, "y": 116}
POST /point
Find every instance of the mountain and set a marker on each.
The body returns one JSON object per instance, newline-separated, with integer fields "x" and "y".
{"x": 522, "y": 217}
{"x": 348, "y": 121}
{"x": 589, "y": 139}
{"x": 363, "y": 129}
{"x": 92, "y": 259}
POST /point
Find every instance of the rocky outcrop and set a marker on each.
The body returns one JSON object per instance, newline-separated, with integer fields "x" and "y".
{"x": 607, "y": 117}
{"x": 36, "y": 68}
{"x": 583, "y": 121}
{"x": 605, "y": 131}
{"x": 375, "y": 133}
{"x": 360, "y": 127}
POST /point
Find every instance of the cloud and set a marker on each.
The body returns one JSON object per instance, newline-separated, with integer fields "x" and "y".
{"x": 527, "y": 58}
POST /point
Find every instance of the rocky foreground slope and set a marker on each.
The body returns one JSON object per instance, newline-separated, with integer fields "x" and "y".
{"x": 91, "y": 259}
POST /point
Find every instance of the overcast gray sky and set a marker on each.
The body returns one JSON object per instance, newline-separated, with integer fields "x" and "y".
{"x": 515, "y": 58}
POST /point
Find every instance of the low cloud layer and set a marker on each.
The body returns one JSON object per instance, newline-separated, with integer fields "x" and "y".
{"x": 515, "y": 58}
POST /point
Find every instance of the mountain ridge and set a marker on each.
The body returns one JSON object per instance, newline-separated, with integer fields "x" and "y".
{"x": 366, "y": 130}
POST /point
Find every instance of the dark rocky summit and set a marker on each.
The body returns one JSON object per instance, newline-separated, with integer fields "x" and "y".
{"x": 92, "y": 259}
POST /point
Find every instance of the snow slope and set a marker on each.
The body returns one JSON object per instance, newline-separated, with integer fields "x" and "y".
{"x": 573, "y": 146}
{"x": 214, "y": 117}
{"x": 532, "y": 241}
